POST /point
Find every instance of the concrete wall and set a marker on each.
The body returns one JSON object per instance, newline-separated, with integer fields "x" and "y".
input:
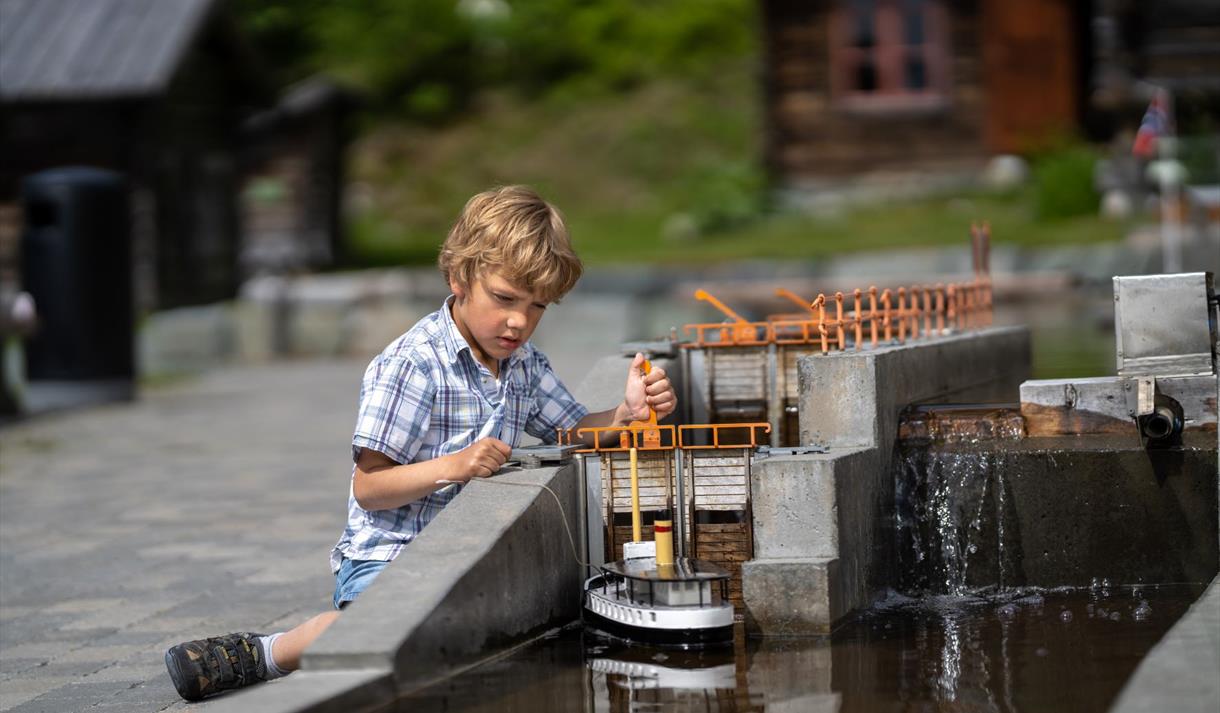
{"x": 1059, "y": 511}
{"x": 852, "y": 399}
{"x": 823, "y": 537}
{"x": 494, "y": 569}
{"x": 1179, "y": 674}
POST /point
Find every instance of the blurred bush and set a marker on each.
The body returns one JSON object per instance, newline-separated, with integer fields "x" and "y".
{"x": 1063, "y": 182}
{"x": 427, "y": 59}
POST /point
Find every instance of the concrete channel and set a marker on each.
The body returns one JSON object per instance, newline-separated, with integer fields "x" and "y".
{"x": 496, "y": 568}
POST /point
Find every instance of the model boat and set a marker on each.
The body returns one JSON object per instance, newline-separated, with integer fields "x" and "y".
{"x": 651, "y": 597}
{"x": 684, "y": 604}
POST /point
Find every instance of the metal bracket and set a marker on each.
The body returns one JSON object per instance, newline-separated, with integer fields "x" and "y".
{"x": 537, "y": 456}
{"x": 769, "y": 451}
{"x": 1141, "y": 395}
{"x": 1145, "y": 395}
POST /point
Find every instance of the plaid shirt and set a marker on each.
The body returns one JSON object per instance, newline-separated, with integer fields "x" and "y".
{"x": 426, "y": 396}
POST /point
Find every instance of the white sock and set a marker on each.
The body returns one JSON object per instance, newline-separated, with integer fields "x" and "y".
{"x": 266, "y": 643}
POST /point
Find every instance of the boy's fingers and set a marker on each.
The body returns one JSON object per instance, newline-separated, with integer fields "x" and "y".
{"x": 638, "y": 361}
{"x": 494, "y": 445}
{"x": 661, "y": 403}
{"x": 659, "y": 387}
{"x": 654, "y": 375}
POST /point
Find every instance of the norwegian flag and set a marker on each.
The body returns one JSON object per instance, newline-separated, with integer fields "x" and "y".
{"x": 1154, "y": 125}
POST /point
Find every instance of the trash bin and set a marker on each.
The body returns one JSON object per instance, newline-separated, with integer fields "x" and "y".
{"x": 76, "y": 262}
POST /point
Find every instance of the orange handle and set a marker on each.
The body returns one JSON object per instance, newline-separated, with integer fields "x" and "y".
{"x": 652, "y": 413}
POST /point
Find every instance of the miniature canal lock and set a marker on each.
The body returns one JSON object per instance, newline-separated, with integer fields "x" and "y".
{"x": 769, "y": 398}
{"x": 910, "y": 466}
{"x": 808, "y": 463}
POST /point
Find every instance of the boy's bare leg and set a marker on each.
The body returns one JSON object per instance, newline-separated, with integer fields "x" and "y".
{"x": 287, "y": 650}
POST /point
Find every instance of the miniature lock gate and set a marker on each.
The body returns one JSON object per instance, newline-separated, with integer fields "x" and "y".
{"x": 747, "y": 371}
{"x": 700, "y": 473}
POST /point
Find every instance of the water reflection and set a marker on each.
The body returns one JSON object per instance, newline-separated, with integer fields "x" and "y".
{"x": 1018, "y": 651}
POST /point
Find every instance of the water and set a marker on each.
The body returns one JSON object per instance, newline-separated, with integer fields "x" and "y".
{"x": 993, "y": 513}
{"x": 1028, "y": 650}
{"x": 953, "y": 513}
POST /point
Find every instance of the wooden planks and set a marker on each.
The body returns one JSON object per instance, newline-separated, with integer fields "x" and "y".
{"x": 717, "y": 490}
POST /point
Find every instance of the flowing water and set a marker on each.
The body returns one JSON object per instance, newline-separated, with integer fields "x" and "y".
{"x": 953, "y": 511}
{"x": 964, "y": 634}
{"x": 1038, "y": 651}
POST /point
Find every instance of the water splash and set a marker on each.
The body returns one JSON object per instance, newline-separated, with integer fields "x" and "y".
{"x": 953, "y": 520}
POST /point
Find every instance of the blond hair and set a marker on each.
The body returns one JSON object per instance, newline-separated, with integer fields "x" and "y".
{"x": 514, "y": 231}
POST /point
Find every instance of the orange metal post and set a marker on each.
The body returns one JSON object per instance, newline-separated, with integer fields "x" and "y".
{"x": 839, "y": 333}
{"x": 886, "y": 320}
{"x": 820, "y": 305}
{"x": 927, "y": 310}
{"x": 961, "y": 306}
{"x": 872, "y": 314}
{"x": 940, "y": 309}
{"x": 857, "y": 324}
{"x": 902, "y": 314}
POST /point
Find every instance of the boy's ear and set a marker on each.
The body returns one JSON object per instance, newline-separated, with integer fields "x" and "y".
{"x": 456, "y": 287}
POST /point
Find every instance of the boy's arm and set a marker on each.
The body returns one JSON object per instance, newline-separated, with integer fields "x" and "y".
{"x": 643, "y": 391}
{"x": 380, "y": 483}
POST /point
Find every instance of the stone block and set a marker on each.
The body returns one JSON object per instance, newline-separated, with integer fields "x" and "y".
{"x": 788, "y": 597}
{"x": 186, "y": 339}
{"x": 793, "y": 504}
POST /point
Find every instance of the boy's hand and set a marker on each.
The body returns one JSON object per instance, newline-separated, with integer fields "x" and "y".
{"x": 645, "y": 390}
{"x": 480, "y": 459}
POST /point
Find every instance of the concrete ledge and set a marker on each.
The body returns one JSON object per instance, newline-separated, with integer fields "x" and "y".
{"x": 312, "y": 692}
{"x": 984, "y": 365}
{"x": 1179, "y": 674}
{"x": 494, "y": 569}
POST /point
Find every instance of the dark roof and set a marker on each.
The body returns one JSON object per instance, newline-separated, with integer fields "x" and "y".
{"x": 94, "y": 49}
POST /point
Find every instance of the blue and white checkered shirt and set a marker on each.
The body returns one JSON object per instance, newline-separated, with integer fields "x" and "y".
{"x": 426, "y": 396}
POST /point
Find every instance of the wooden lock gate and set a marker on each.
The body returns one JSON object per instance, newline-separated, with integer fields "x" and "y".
{"x": 698, "y": 472}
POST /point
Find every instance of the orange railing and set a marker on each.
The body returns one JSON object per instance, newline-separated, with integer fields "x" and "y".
{"x": 716, "y": 429}
{"x": 666, "y": 437}
{"x": 889, "y": 314}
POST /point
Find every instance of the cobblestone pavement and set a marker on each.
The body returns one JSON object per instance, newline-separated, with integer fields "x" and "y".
{"x": 205, "y": 507}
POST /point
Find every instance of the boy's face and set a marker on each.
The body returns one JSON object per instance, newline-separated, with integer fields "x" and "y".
{"x": 495, "y": 316}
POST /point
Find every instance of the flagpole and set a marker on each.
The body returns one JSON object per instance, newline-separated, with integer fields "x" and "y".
{"x": 1171, "y": 246}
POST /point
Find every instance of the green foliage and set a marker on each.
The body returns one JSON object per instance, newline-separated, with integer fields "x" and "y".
{"x": 427, "y": 59}
{"x": 1063, "y": 182}
{"x": 667, "y": 172}
{"x": 725, "y": 194}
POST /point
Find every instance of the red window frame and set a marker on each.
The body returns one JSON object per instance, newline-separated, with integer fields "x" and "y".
{"x": 888, "y": 55}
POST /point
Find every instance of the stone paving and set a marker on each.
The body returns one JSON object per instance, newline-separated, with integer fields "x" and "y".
{"x": 207, "y": 506}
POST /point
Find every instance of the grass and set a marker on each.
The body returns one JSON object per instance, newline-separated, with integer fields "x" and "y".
{"x": 667, "y": 173}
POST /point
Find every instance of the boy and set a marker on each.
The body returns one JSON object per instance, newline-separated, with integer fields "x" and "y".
{"x": 446, "y": 401}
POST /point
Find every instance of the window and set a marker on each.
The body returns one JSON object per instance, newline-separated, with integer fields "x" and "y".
{"x": 888, "y": 54}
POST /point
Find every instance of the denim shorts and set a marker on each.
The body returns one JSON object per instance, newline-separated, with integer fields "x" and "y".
{"x": 353, "y": 577}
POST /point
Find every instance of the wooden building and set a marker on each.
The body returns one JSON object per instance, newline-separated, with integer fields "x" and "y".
{"x": 292, "y": 179}
{"x": 167, "y": 93}
{"x": 911, "y": 87}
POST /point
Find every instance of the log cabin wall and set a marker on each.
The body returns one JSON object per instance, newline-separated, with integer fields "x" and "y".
{"x": 818, "y": 132}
